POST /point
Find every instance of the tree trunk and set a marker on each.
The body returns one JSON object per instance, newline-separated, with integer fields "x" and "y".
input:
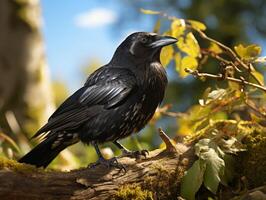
{"x": 25, "y": 95}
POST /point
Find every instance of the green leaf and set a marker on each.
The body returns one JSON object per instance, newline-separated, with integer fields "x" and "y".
{"x": 248, "y": 52}
{"x": 197, "y": 25}
{"x": 258, "y": 76}
{"x": 214, "y": 170}
{"x": 202, "y": 146}
{"x": 192, "y": 180}
{"x": 149, "y": 12}
{"x": 187, "y": 62}
{"x": 229, "y": 169}
{"x": 166, "y": 55}
{"x": 189, "y": 45}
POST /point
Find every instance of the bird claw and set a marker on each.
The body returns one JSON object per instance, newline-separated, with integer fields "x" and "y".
{"x": 113, "y": 162}
{"x": 136, "y": 154}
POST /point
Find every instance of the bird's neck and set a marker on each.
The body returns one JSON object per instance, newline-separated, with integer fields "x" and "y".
{"x": 122, "y": 57}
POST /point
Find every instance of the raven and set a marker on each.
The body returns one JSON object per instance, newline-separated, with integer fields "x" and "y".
{"x": 118, "y": 99}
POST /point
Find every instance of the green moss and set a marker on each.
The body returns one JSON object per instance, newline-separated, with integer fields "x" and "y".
{"x": 129, "y": 192}
{"x": 166, "y": 183}
{"x": 18, "y": 167}
{"x": 253, "y": 161}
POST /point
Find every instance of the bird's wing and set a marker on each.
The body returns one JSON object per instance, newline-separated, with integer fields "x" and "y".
{"x": 107, "y": 87}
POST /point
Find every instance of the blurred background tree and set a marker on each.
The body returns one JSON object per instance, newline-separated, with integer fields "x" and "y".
{"x": 26, "y": 99}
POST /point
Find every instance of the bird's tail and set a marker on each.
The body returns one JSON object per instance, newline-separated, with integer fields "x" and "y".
{"x": 43, "y": 154}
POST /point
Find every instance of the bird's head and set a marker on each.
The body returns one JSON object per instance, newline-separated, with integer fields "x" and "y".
{"x": 144, "y": 45}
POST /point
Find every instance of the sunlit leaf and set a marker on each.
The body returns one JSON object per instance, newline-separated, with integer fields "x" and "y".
{"x": 197, "y": 25}
{"x": 215, "y": 48}
{"x": 248, "y": 52}
{"x": 149, "y": 12}
{"x": 166, "y": 55}
{"x": 192, "y": 180}
{"x": 217, "y": 94}
{"x": 258, "y": 76}
{"x": 156, "y": 28}
{"x": 187, "y": 62}
{"x": 189, "y": 45}
{"x": 178, "y": 60}
{"x": 178, "y": 28}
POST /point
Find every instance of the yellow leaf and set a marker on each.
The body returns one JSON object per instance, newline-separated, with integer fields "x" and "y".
{"x": 258, "y": 76}
{"x": 178, "y": 60}
{"x": 178, "y": 27}
{"x": 215, "y": 48}
{"x": 166, "y": 55}
{"x": 189, "y": 45}
{"x": 248, "y": 52}
{"x": 197, "y": 25}
{"x": 156, "y": 28}
{"x": 187, "y": 62}
{"x": 149, "y": 12}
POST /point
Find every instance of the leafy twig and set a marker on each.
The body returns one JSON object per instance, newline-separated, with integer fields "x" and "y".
{"x": 220, "y": 77}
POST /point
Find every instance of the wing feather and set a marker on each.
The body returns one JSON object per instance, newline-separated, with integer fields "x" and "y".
{"x": 105, "y": 91}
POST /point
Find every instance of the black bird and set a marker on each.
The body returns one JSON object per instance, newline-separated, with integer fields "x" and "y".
{"x": 117, "y": 100}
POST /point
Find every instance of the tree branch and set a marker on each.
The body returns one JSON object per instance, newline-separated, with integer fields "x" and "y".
{"x": 221, "y": 77}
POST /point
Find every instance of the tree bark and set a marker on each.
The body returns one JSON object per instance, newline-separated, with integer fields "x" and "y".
{"x": 160, "y": 173}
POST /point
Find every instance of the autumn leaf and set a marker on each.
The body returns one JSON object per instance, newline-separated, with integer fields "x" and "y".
{"x": 197, "y": 25}
{"x": 258, "y": 76}
{"x": 149, "y": 12}
{"x": 187, "y": 62}
{"x": 178, "y": 60}
{"x": 215, "y": 48}
{"x": 166, "y": 55}
{"x": 178, "y": 28}
{"x": 156, "y": 28}
{"x": 189, "y": 45}
{"x": 248, "y": 52}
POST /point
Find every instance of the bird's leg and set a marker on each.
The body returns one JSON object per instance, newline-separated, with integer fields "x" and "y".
{"x": 108, "y": 163}
{"x": 132, "y": 154}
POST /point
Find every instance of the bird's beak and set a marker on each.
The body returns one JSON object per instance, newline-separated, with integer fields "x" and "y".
{"x": 162, "y": 41}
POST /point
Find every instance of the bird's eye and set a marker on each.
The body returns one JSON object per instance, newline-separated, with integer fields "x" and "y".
{"x": 144, "y": 40}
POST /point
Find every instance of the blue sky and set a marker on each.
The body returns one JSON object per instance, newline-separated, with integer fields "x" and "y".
{"x": 75, "y": 31}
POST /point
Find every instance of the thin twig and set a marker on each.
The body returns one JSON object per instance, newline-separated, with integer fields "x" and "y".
{"x": 256, "y": 110}
{"x": 230, "y": 52}
{"x": 220, "y": 77}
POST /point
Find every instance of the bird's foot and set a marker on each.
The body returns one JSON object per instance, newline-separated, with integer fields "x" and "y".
{"x": 113, "y": 162}
{"x": 136, "y": 154}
